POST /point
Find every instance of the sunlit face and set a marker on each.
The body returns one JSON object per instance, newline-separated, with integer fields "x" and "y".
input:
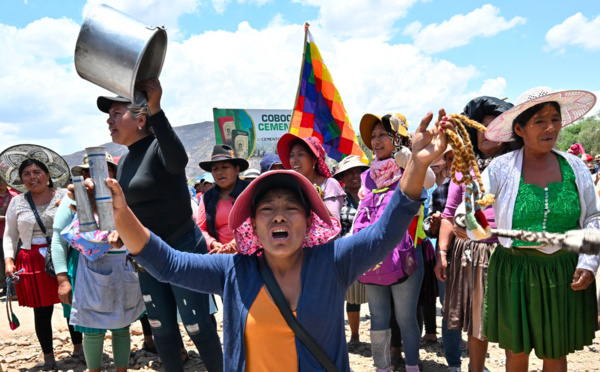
{"x": 449, "y": 157}
{"x": 225, "y": 174}
{"x": 488, "y": 148}
{"x": 439, "y": 165}
{"x": 381, "y": 142}
{"x": 280, "y": 223}
{"x": 351, "y": 178}
{"x": 35, "y": 179}
{"x": 124, "y": 127}
{"x": 111, "y": 172}
{"x": 208, "y": 186}
{"x": 541, "y": 131}
{"x": 301, "y": 160}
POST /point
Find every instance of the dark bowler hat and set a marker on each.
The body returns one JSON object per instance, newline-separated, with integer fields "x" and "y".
{"x": 223, "y": 152}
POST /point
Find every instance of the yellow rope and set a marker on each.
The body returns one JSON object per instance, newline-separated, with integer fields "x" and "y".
{"x": 464, "y": 156}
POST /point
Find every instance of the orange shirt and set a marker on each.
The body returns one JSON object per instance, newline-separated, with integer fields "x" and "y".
{"x": 270, "y": 342}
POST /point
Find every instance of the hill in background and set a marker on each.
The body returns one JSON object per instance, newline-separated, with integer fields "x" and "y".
{"x": 198, "y": 140}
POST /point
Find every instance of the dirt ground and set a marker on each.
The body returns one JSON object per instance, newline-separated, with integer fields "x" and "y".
{"x": 19, "y": 349}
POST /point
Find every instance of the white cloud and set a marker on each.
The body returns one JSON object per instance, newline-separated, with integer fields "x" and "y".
{"x": 460, "y": 29}
{"x": 493, "y": 87}
{"x": 575, "y": 30}
{"x": 152, "y": 12}
{"x": 44, "y": 101}
{"x": 220, "y": 5}
{"x": 255, "y": 2}
{"x": 358, "y": 18}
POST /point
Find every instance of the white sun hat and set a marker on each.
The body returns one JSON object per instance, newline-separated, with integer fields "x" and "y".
{"x": 573, "y": 105}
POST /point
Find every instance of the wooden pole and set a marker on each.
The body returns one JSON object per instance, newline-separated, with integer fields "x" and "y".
{"x": 306, "y": 25}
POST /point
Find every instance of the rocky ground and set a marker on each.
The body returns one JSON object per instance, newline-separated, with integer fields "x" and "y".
{"x": 19, "y": 350}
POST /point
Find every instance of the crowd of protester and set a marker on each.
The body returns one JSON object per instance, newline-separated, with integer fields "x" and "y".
{"x": 389, "y": 234}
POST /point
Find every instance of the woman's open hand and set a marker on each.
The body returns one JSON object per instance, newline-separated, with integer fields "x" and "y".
{"x": 430, "y": 143}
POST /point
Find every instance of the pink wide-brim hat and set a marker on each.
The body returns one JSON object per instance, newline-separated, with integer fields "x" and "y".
{"x": 573, "y": 105}
{"x": 242, "y": 209}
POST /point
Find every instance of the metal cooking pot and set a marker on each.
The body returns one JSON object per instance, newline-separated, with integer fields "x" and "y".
{"x": 115, "y": 51}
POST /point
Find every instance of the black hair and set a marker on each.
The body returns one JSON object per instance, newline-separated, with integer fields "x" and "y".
{"x": 29, "y": 162}
{"x": 524, "y": 117}
{"x": 477, "y": 109}
{"x": 280, "y": 182}
{"x": 304, "y": 146}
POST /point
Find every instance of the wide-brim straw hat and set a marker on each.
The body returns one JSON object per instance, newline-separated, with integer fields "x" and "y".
{"x": 250, "y": 174}
{"x": 12, "y": 157}
{"x": 573, "y": 105}
{"x": 287, "y": 179}
{"x": 76, "y": 170}
{"x": 349, "y": 162}
{"x": 222, "y": 153}
{"x": 392, "y": 123}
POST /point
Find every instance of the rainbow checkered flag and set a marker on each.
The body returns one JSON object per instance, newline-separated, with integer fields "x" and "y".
{"x": 319, "y": 110}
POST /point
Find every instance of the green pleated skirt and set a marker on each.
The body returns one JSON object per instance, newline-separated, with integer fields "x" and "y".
{"x": 529, "y": 304}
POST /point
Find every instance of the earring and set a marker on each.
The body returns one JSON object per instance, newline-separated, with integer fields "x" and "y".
{"x": 139, "y": 128}
{"x": 47, "y": 183}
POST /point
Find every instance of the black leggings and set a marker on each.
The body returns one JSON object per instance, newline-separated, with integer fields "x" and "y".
{"x": 146, "y": 325}
{"x": 426, "y": 315}
{"x": 43, "y": 327}
{"x": 76, "y": 337}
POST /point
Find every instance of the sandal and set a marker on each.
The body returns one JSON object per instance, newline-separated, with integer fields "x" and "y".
{"x": 149, "y": 349}
{"x": 50, "y": 366}
{"x": 428, "y": 341}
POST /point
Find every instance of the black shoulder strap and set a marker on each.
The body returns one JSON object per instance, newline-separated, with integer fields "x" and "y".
{"x": 37, "y": 218}
{"x": 35, "y": 212}
{"x": 305, "y": 337}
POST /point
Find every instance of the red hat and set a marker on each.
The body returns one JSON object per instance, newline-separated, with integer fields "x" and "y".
{"x": 313, "y": 143}
{"x": 288, "y": 179}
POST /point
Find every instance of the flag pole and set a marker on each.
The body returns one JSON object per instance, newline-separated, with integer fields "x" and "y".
{"x": 306, "y": 25}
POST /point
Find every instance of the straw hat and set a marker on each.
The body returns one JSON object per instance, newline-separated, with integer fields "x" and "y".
{"x": 573, "y": 105}
{"x": 12, "y": 157}
{"x": 392, "y": 123}
{"x": 76, "y": 170}
{"x": 250, "y": 174}
{"x": 349, "y": 162}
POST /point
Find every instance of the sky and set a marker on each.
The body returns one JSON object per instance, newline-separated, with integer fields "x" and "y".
{"x": 406, "y": 56}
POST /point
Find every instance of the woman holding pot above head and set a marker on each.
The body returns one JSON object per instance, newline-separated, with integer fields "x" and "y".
{"x": 99, "y": 283}
{"x": 348, "y": 173}
{"x": 462, "y": 262}
{"x": 398, "y": 276}
{"x": 539, "y": 297}
{"x": 303, "y": 272}
{"x": 153, "y": 179}
{"x": 39, "y": 173}
{"x": 307, "y": 157}
{"x": 216, "y": 204}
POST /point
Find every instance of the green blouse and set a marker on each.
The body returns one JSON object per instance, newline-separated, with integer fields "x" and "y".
{"x": 554, "y": 208}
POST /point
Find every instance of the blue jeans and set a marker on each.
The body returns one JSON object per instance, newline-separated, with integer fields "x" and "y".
{"x": 162, "y": 302}
{"x": 406, "y": 297}
{"x": 451, "y": 338}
